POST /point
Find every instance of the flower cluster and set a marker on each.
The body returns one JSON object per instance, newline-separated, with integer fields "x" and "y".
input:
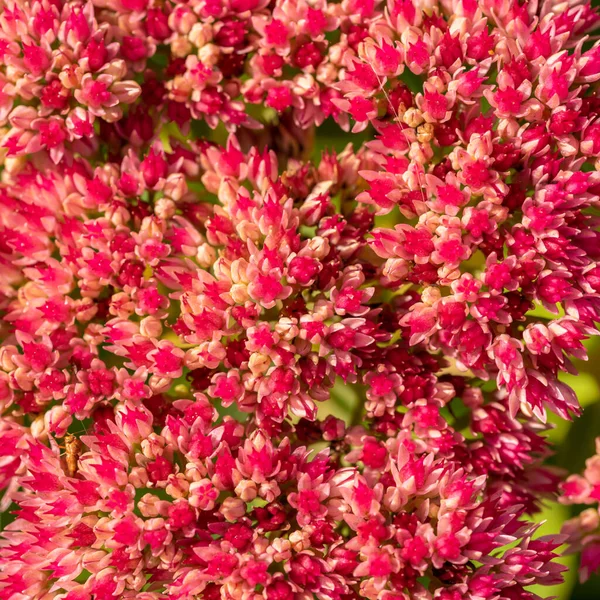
{"x": 189, "y": 291}
{"x": 205, "y": 508}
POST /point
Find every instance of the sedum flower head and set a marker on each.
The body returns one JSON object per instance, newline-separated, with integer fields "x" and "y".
{"x": 234, "y": 365}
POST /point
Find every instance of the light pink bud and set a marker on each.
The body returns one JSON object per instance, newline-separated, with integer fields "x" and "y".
{"x": 246, "y": 490}
{"x": 57, "y": 421}
{"x": 233, "y": 508}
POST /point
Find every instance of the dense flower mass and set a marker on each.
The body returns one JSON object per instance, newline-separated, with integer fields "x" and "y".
{"x": 193, "y": 293}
